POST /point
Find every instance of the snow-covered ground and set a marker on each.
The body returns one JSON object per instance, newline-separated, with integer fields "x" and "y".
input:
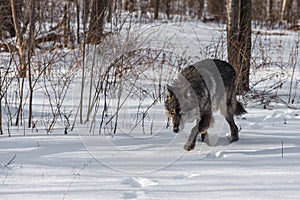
{"x": 263, "y": 164}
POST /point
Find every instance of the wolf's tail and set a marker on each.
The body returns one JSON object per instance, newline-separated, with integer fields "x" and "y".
{"x": 239, "y": 108}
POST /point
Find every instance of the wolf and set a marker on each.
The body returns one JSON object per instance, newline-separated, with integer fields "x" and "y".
{"x": 199, "y": 90}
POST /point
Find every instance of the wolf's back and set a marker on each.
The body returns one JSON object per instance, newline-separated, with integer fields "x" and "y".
{"x": 213, "y": 81}
{"x": 210, "y": 71}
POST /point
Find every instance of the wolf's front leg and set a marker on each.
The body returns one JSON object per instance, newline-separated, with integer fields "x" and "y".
{"x": 191, "y": 141}
{"x": 200, "y": 128}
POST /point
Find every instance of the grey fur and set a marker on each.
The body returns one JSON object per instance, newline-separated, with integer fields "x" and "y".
{"x": 200, "y": 89}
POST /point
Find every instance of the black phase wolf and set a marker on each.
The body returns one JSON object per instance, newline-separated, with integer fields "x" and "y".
{"x": 198, "y": 91}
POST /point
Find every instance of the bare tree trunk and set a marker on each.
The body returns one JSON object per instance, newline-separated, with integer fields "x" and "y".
{"x": 168, "y": 9}
{"x": 30, "y": 52}
{"x": 20, "y": 42}
{"x": 97, "y": 21}
{"x": 298, "y": 9}
{"x": 156, "y": 10}
{"x": 22, "y": 59}
{"x": 120, "y": 5}
{"x": 1, "y": 131}
{"x": 271, "y": 14}
{"x": 269, "y": 8}
{"x": 82, "y": 84}
{"x": 283, "y": 6}
{"x": 200, "y": 9}
{"x": 109, "y": 8}
{"x": 66, "y": 25}
{"x": 6, "y": 19}
{"x": 239, "y": 40}
{"x": 143, "y": 7}
{"x": 20, "y": 107}
{"x": 78, "y": 21}
{"x": 126, "y": 5}
{"x": 243, "y": 71}
{"x": 4, "y": 85}
{"x": 232, "y": 32}
{"x": 288, "y": 12}
{"x": 205, "y": 12}
{"x": 86, "y": 13}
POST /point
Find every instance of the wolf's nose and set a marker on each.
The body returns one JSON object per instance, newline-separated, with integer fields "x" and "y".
{"x": 175, "y": 129}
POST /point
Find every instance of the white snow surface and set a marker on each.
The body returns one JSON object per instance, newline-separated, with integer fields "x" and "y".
{"x": 263, "y": 164}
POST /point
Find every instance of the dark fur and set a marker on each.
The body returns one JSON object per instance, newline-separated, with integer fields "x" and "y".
{"x": 200, "y": 89}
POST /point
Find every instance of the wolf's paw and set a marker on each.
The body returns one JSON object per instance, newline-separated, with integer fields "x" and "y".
{"x": 189, "y": 147}
{"x": 206, "y": 140}
{"x": 234, "y": 139}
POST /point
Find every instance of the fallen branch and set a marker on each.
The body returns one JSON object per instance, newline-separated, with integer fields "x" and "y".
{"x": 11, "y": 161}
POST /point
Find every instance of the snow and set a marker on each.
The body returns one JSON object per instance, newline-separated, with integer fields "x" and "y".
{"x": 263, "y": 164}
{"x": 60, "y": 167}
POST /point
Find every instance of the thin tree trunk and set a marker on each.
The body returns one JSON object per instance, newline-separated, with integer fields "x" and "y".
{"x": 22, "y": 60}
{"x": 30, "y": 52}
{"x": 232, "y": 32}
{"x": 78, "y": 21}
{"x": 126, "y": 5}
{"x": 283, "y": 6}
{"x": 270, "y": 8}
{"x": 200, "y": 9}
{"x": 156, "y": 10}
{"x": 85, "y": 15}
{"x": 66, "y": 25}
{"x": 1, "y": 131}
{"x": 288, "y": 12}
{"x": 97, "y": 21}
{"x": 298, "y": 9}
{"x": 271, "y": 17}
{"x": 168, "y": 9}
{"x": 119, "y": 5}
{"x": 20, "y": 43}
{"x": 109, "y": 7}
{"x": 245, "y": 45}
{"x": 82, "y": 83}
{"x": 20, "y": 107}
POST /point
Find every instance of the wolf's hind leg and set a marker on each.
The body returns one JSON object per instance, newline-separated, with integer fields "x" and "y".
{"x": 200, "y": 128}
{"x": 233, "y": 128}
{"x": 201, "y": 137}
{"x": 204, "y": 138}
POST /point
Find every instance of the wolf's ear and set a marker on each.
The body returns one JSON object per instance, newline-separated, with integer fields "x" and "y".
{"x": 169, "y": 90}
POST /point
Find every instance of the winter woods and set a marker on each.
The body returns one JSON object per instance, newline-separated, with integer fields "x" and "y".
{"x": 46, "y": 46}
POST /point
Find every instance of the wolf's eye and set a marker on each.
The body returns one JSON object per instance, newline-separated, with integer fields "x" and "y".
{"x": 172, "y": 112}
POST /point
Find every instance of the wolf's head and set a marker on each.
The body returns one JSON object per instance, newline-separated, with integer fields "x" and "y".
{"x": 173, "y": 109}
{"x": 181, "y": 106}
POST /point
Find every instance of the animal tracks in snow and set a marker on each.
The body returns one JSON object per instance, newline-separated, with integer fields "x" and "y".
{"x": 184, "y": 176}
{"x": 137, "y": 183}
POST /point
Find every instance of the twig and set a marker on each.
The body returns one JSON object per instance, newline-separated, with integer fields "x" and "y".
{"x": 11, "y": 161}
